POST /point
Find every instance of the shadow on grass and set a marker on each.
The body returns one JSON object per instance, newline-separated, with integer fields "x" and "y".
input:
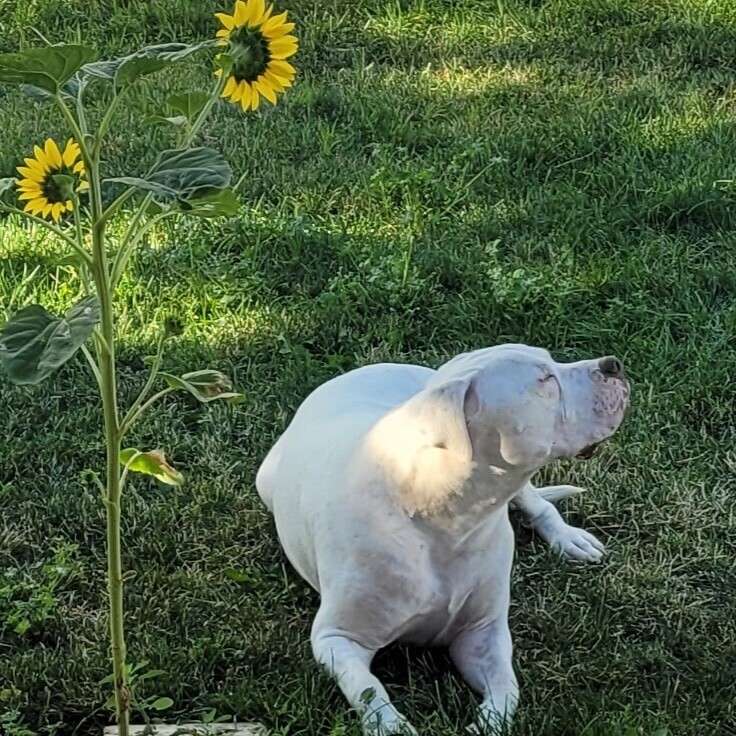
{"x": 545, "y": 200}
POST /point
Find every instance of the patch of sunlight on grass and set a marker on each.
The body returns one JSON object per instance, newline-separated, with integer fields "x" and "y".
{"x": 675, "y": 126}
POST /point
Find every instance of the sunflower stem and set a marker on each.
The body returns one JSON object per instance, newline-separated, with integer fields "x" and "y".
{"x": 205, "y": 111}
{"x": 130, "y": 241}
{"x": 105, "y": 345}
{"x": 92, "y": 366}
{"x": 105, "y": 124}
{"x": 118, "y": 203}
{"x": 71, "y": 121}
{"x": 131, "y": 238}
{"x": 131, "y": 419}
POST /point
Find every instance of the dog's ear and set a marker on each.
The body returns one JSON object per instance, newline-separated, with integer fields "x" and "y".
{"x": 441, "y": 458}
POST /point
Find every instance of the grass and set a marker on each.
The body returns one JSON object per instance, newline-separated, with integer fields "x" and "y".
{"x": 445, "y": 175}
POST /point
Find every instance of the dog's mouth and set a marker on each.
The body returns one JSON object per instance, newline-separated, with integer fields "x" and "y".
{"x": 587, "y": 452}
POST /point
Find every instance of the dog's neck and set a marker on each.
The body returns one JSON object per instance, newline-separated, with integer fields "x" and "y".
{"x": 432, "y": 480}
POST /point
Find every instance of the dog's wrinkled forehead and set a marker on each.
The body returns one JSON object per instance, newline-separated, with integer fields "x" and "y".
{"x": 467, "y": 364}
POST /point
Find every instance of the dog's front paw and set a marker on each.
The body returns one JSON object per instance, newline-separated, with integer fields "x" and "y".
{"x": 577, "y": 544}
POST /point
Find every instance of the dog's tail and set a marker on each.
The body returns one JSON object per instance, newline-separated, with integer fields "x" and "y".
{"x": 553, "y": 494}
{"x": 266, "y": 476}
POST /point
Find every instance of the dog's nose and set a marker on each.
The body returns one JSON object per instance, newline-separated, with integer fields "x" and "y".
{"x": 611, "y": 367}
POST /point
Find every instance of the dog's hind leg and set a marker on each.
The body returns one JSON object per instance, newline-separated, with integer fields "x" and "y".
{"x": 483, "y": 657}
{"x": 349, "y": 663}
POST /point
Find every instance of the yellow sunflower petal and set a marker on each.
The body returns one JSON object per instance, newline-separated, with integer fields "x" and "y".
{"x": 69, "y": 204}
{"x": 240, "y": 14}
{"x": 83, "y": 186}
{"x": 282, "y": 49}
{"x": 78, "y": 167}
{"x": 246, "y": 100}
{"x": 223, "y": 33}
{"x": 257, "y": 10}
{"x": 28, "y": 195}
{"x": 273, "y": 81}
{"x": 273, "y": 23}
{"x": 287, "y": 40}
{"x": 229, "y": 87}
{"x": 41, "y": 157}
{"x": 57, "y": 211}
{"x": 267, "y": 14}
{"x": 36, "y": 166}
{"x": 30, "y": 174}
{"x": 37, "y": 171}
{"x": 33, "y": 191}
{"x": 256, "y": 98}
{"x": 46, "y": 211}
{"x": 281, "y": 55}
{"x": 237, "y": 92}
{"x": 53, "y": 154}
{"x": 281, "y": 68}
{"x": 278, "y": 31}
{"x": 227, "y": 20}
{"x": 71, "y": 153}
{"x": 265, "y": 89}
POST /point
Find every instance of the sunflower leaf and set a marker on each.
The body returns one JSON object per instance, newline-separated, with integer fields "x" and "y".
{"x": 182, "y": 174}
{"x": 34, "y": 343}
{"x": 46, "y": 68}
{"x": 153, "y": 58}
{"x": 176, "y": 120}
{"x": 152, "y": 463}
{"x": 220, "y": 203}
{"x": 189, "y": 104}
{"x": 205, "y": 386}
{"x": 41, "y": 95}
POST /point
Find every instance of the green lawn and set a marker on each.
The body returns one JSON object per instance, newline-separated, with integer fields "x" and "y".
{"x": 446, "y": 174}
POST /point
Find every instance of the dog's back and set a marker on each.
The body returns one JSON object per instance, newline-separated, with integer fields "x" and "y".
{"x": 330, "y": 422}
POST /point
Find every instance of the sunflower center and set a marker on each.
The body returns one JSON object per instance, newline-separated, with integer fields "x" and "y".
{"x": 58, "y": 186}
{"x": 249, "y": 50}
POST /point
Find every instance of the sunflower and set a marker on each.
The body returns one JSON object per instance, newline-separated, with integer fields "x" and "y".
{"x": 259, "y": 44}
{"x": 51, "y": 178}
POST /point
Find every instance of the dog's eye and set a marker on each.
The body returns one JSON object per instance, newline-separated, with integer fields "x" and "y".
{"x": 546, "y": 377}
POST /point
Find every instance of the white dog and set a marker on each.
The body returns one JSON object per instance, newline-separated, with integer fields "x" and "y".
{"x": 390, "y": 489}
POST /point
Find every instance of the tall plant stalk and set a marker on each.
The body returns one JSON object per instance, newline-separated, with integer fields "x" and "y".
{"x": 182, "y": 181}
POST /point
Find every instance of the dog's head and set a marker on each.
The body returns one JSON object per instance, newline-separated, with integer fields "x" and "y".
{"x": 514, "y": 407}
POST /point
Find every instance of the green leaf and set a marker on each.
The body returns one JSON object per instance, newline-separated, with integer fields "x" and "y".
{"x": 34, "y": 343}
{"x": 189, "y": 104}
{"x": 47, "y": 68}
{"x": 162, "y": 703}
{"x": 153, "y": 58}
{"x": 176, "y": 120}
{"x": 237, "y": 575}
{"x": 75, "y": 86}
{"x": 222, "y": 203}
{"x": 205, "y": 386}
{"x": 152, "y": 463}
{"x": 184, "y": 174}
{"x": 150, "y": 674}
